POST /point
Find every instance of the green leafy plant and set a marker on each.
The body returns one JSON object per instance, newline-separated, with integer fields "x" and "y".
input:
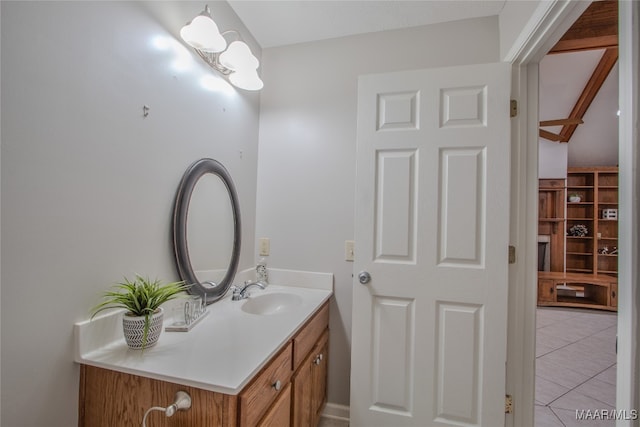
{"x": 140, "y": 297}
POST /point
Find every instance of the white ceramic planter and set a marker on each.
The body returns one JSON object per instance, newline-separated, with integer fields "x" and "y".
{"x": 133, "y": 327}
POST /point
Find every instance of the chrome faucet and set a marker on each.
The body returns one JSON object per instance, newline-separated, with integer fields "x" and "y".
{"x": 240, "y": 293}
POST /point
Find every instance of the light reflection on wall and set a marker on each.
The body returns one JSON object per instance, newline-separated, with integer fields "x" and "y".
{"x": 183, "y": 61}
{"x": 217, "y": 84}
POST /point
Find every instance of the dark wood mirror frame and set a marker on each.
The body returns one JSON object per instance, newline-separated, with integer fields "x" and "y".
{"x": 210, "y": 291}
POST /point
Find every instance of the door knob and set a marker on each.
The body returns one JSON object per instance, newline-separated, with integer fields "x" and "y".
{"x": 364, "y": 277}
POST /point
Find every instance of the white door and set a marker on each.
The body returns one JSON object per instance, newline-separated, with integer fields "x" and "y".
{"x": 432, "y": 221}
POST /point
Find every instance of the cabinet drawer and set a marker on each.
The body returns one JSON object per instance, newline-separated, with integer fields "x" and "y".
{"x": 307, "y": 337}
{"x": 261, "y": 392}
{"x": 279, "y": 414}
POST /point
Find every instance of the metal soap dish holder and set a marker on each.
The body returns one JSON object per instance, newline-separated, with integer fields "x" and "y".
{"x": 194, "y": 311}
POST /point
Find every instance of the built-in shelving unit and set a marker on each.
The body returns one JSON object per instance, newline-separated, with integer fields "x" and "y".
{"x": 595, "y": 253}
{"x": 588, "y": 277}
{"x": 551, "y": 211}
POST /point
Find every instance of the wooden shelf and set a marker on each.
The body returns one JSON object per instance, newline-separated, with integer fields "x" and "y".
{"x": 576, "y": 289}
{"x": 551, "y": 219}
{"x": 584, "y": 266}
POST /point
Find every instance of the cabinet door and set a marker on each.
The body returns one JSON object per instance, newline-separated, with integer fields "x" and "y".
{"x": 264, "y": 389}
{"x": 109, "y": 398}
{"x": 613, "y": 295}
{"x": 319, "y": 377}
{"x": 302, "y": 390}
{"x": 546, "y": 291}
{"x": 279, "y": 415}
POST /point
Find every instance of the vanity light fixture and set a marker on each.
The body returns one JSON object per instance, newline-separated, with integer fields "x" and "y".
{"x": 235, "y": 61}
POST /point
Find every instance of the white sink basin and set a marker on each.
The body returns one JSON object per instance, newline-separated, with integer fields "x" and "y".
{"x": 269, "y": 304}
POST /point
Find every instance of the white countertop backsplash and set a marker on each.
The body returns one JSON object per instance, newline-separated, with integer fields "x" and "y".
{"x": 222, "y": 352}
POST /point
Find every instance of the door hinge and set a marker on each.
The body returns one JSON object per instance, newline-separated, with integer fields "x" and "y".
{"x": 512, "y": 254}
{"x": 514, "y": 108}
{"x": 508, "y": 404}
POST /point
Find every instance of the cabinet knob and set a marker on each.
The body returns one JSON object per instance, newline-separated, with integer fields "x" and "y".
{"x": 551, "y": 289}
{"x": 318, "y": 359}
{"x": 277, "y": 385}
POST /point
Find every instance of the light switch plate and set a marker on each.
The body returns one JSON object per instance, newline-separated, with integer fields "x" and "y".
{"x": 349, "y": 250}
{"x": 264, "y": 246}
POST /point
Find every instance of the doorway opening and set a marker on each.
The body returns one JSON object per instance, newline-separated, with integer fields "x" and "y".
{"x": 576, "y": 320}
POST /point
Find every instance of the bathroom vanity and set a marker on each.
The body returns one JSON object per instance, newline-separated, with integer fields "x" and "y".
{"x": 257, "y": 358}
{"x": 240, "y": 368}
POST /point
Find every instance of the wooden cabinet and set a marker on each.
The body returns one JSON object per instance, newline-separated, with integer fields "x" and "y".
{"x": 319, "y": 377}
{"x": 546, "y": 291}
{"x": 590, "y": 228}
{"x": 263, "y": 390}
{"x": 551, "y": 207}
{"x": 596, "y": 252}
{"x": 577, "y": 290}
{"x": 310, "y": 378}
{"x": 110, "y": 398}
{"x": 279, "y": 414}
{"x": 310, "y": 385}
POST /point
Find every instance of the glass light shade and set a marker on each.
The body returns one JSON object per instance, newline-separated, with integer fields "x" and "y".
{"x": 203, "y": 34}
{"x": 238, "y": 57}
{"x": 247, "y": 80}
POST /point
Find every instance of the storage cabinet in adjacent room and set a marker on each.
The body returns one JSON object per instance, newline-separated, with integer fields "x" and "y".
{"x": 587, "y": 277}
{"x": 596, "y": 252}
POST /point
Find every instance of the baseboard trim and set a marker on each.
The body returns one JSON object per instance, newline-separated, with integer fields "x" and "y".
{"x": 335, "y": 411}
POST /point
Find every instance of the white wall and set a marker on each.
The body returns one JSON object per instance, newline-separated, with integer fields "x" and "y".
{"x": 306, "y": 174}
{"x": 514, "y": 18}
{"x": 552, "y": 159}
{"x": 594, "y": 143}
{"x": 88, "y": 183}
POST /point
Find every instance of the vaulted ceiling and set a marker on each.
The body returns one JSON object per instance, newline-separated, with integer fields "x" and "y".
{"x": 596, "y": 29}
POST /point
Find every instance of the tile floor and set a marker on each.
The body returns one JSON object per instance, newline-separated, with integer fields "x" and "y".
{"x": 329, "y": 422}
{"x": 575, "y": 366}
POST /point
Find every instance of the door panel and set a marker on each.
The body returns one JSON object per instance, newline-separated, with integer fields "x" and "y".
{"x": 459, "y": 341}
{"x": 393, "y": 330}
{"x": 395, "y": 210}
{"x": 462, "y": 207}
{"x": 432, "y": 218}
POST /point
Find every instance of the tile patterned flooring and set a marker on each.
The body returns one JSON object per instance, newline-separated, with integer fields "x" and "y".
{"x": 575, "y": 366}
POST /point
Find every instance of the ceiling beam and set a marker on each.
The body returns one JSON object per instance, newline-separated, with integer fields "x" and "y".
{"x": 561, "y": 122}
{"x": 590, "y": 91}
{"x": 597, "y": 28}
{"x": 550, "y": 136}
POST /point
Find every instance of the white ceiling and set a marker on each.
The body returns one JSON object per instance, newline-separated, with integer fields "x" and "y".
{"x": 278, "y": 23}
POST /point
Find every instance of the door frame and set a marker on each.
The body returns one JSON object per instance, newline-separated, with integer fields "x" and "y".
{"x": 550, "y": 21}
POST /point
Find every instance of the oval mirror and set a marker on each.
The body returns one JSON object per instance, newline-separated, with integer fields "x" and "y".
{"x": 206, "y": 229}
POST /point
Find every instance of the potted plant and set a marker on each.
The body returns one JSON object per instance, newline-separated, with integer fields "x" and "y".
{"x": 142, "y": 298}
{"x": 574, "y": 198}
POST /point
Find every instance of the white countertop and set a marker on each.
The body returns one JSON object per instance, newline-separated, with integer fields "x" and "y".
{"x": 222, "y": 352}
